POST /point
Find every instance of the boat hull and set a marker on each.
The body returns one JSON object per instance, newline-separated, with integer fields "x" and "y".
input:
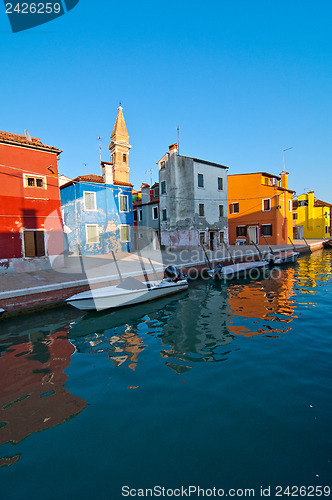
{"x": 286, "y": 258}
{"x": 110, "y": 297}
{"x": 242, "y": 270}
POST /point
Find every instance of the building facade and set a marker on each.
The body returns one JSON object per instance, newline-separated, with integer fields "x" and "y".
{"x": 260, "y": 206}
{"x": 193, "y": 201}
{"x": 97, "y": 210}
{"x": 30, "y": 215}
{"x": 146, "y": 217}
{"x": 312, "y": 217}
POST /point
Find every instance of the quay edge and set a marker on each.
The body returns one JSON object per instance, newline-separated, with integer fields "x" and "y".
{"x": 31, "y": 299}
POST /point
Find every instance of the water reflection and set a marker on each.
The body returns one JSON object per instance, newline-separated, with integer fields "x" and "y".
{"x": 32, "y": 392}
{"x": 271, "y": 300}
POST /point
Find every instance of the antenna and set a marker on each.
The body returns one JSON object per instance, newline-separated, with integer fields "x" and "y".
{"x": 85, "y": 164}
{"x": 27, "y": 135}
{"x": 149, "y": 172}
{"x": 178, "y": 129}
{"x": 99, "y": 139}
{"x": 283, "y": 154}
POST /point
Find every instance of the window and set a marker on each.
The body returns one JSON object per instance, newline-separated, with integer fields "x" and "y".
{"x": 92, "y": 233}
{"x": 135, "y": 215}
{"x": 294, "y": 216}
{"x": 221, "y": 237}
{"x": 32, "y": 181}
{"x": 234, "y": 208}
{"x": 221, "y": 210}
{"x": 241, "y": 231}
{"x": 266, "y": 181}
{"x": 155, "y": 213}
{"x": 123, "y": 203}
{"x": 303, "y": 203}
{"x": 90, "y": 202}
{"x": 34, "y": 243}
{"x": 202, "y": 238}
{"x": 220, "y": 184}
{"x": 124, "y": 234}
{"x": 164, "y": 214}
{"x": 266, "y": 205}
{"x": 266, "y": 230}
{"x": 140, "y": 215}
{"x": 201, "y": 209}
{"x": 162, "y": 164}
{"x": 290, "y": 208}
{"x": 200, "y": 180}
{"x": 124, "y": 158}
{"x": 163, "y": 187}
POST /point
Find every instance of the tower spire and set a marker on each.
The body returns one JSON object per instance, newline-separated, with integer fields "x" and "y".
{"x": 119, "y": 147}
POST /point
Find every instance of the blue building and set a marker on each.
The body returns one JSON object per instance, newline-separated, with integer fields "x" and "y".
{"x": 97, "y": 210}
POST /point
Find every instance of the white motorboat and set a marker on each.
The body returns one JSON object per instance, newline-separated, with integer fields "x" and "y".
{"x": 286, "y": 257}
{"x": 129, "y": 292}
{"x": 280, "y": 257}
{"x": 2, "y": 311}
{"x": 241, "y": 270}
{"x": 235, "y": 271}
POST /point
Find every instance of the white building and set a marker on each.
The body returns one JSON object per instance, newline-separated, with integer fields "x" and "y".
{"x": 193, "y": 201}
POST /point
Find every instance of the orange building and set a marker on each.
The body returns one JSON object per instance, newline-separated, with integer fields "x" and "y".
{"x": 259, "y": 204}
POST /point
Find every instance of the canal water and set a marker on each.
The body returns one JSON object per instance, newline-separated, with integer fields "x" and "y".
{"x": 225, "y": 386}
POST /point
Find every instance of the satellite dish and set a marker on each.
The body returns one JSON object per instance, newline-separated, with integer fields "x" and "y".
{"x": 27, "y": 135}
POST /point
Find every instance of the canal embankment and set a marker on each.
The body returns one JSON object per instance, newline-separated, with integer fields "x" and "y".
{"x": 26, "y": 292}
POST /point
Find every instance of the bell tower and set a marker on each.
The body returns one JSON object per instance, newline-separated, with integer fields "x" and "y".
{"x": 119, "y": 147}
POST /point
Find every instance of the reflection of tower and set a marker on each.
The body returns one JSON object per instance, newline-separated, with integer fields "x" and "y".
{"x": 119, "y": 147}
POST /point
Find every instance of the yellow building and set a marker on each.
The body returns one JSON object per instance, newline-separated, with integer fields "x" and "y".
{"x": 313, "y": 217}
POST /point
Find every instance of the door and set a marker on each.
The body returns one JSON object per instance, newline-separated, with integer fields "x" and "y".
{"x": 212, "y": 235}
{"x": 253, "y": 234}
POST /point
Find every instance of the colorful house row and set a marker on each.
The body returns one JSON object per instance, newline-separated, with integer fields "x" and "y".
{"x": 43, "y": 217}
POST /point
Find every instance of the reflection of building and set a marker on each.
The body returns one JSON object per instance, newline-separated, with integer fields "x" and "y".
{"x": 193, "y": 201}
{"x": 260, "y": 204}
{"x": 269, "y": 300}
{"x": 312, "y": 216}
{"x": 97, "y": 210}
{"x": 32, "y": 393}
{"x": 30, "y": 218}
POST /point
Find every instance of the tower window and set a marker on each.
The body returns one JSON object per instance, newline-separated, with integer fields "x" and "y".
{"x": 124, "y": 158}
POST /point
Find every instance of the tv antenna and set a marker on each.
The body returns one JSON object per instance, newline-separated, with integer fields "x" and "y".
{"x": 27, "y": 135}
{"x": 149, "y": 172}
{"x": 99, "y": 139}
{"x": 178, "y": 129}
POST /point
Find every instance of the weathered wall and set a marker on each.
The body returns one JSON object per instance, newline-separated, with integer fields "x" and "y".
{"x": 107, "y": 216}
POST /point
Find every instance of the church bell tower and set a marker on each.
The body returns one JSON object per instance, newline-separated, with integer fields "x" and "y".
{"x": 119, "y": 147}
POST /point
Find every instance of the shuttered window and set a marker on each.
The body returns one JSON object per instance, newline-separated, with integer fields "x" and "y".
{"x": 90, "y": 202}
{"x": 123, "y": 203}
{"x": 34, "y": 244}
{"x": 124, "y": 234}
{"x": 92, "y": 235}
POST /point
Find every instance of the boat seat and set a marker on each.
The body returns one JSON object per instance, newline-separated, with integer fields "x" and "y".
{"x": 131, "y": 283}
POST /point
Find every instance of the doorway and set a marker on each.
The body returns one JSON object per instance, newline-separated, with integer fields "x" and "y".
{"x": 212, "y": 238}
{"x": 253, "y": 234}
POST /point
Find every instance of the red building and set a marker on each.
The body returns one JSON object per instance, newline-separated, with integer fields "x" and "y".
{"x": 30, "y": 215}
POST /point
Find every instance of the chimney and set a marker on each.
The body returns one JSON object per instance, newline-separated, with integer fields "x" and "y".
{"x": 107, "y": 173}
{"x": 173, "y": 148}
{"x": 145, "y": 190}
{"x": 284, "y": 179}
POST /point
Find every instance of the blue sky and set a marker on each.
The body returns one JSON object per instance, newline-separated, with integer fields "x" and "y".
{"x": 243, "y": 80}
